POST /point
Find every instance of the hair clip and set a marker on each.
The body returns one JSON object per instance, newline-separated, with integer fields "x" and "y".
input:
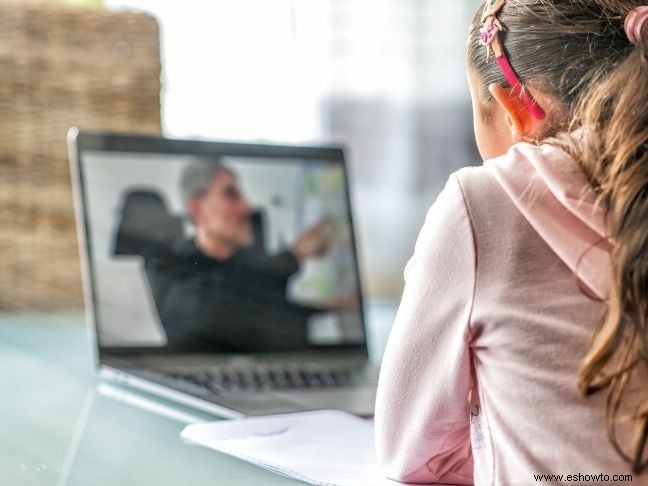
{"x": 492, "y": 8}
{"x": 489, "y": 38}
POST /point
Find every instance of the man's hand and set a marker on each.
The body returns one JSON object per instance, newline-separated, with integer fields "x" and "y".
{"x": 315, "y": 241}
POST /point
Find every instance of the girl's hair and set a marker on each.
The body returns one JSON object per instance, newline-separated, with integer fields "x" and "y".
{"x": 577, "y": 54}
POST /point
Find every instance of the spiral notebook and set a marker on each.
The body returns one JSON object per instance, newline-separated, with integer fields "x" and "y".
{"x": 324, "y": 448}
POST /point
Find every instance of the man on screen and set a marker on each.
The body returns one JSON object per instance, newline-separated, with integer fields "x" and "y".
{"x": 217, "y": 289}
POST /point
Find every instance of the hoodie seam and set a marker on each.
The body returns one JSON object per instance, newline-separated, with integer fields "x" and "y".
{"x": 476, "y": 388}
{"x": 473, "y": 297}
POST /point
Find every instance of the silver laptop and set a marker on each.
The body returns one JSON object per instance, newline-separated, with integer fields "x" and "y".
{"x": 222, "y": 275}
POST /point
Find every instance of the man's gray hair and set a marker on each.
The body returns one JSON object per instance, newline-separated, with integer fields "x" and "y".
{"x": 198, "y": 174}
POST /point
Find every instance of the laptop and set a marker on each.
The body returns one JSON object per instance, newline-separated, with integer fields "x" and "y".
{"x": 222, "y": 275}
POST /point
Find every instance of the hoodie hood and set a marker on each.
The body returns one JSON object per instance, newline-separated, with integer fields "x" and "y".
{"x": 552, "y": 193}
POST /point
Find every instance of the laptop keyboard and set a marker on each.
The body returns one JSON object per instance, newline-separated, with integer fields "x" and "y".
{"x": 264, "y": 379}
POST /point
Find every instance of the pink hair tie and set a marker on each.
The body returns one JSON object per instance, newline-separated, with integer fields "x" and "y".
{"x": 634, "y": 22}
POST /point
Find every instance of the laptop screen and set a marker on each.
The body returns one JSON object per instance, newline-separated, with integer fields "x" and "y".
{"x": 217, "y": 247}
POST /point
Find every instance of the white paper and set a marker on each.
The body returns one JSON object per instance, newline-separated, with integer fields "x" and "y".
{"x": 324, "y": 448}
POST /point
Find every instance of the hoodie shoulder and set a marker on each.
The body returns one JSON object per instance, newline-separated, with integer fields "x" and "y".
{"x": 489, "y": 208}
{"x": 540, "y": 188}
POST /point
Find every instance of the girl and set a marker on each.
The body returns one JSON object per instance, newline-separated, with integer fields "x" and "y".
{"x": 520, "y": 348}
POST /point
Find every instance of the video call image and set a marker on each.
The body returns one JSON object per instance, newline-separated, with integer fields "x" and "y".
{"x": 222, "y": 253}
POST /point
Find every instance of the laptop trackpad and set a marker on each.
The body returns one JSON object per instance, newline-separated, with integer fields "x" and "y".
{"x": 358, "y": 401}
{"x": 263, "y": 403}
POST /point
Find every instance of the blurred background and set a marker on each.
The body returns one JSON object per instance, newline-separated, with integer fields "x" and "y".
{"x": 384, "y": 78}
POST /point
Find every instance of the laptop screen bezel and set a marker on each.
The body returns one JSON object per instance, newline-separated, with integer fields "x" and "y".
{"x": 115, "y": 143}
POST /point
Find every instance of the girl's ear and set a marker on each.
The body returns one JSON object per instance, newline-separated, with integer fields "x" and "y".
{"x": 520, "y": 121}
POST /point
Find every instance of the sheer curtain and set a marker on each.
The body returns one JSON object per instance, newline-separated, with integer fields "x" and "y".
{"x": 386, "y": 78}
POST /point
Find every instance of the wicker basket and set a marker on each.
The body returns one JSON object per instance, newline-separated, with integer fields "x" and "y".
{"x": 61, "y": 67}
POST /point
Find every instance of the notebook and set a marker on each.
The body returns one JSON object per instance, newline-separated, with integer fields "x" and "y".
{"x": 323, "y": 448}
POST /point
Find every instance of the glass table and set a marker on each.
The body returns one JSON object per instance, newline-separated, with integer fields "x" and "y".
{"x": 61, "y": 426}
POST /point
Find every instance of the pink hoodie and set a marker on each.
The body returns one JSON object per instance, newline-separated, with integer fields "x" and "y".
{"x": 478, "y": 383}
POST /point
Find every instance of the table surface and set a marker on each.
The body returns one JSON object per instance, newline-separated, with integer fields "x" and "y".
{"x": 58, "y": 426}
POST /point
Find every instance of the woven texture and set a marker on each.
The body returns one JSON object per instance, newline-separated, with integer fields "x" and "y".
{"x": 61, "y": 67}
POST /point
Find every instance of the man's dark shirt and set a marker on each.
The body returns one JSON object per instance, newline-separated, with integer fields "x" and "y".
{"x": 235, "y": 305}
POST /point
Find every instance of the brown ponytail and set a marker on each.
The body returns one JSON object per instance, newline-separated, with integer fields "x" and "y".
{"x": 600, "y": 80}
{"x": 614, "y": 155}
